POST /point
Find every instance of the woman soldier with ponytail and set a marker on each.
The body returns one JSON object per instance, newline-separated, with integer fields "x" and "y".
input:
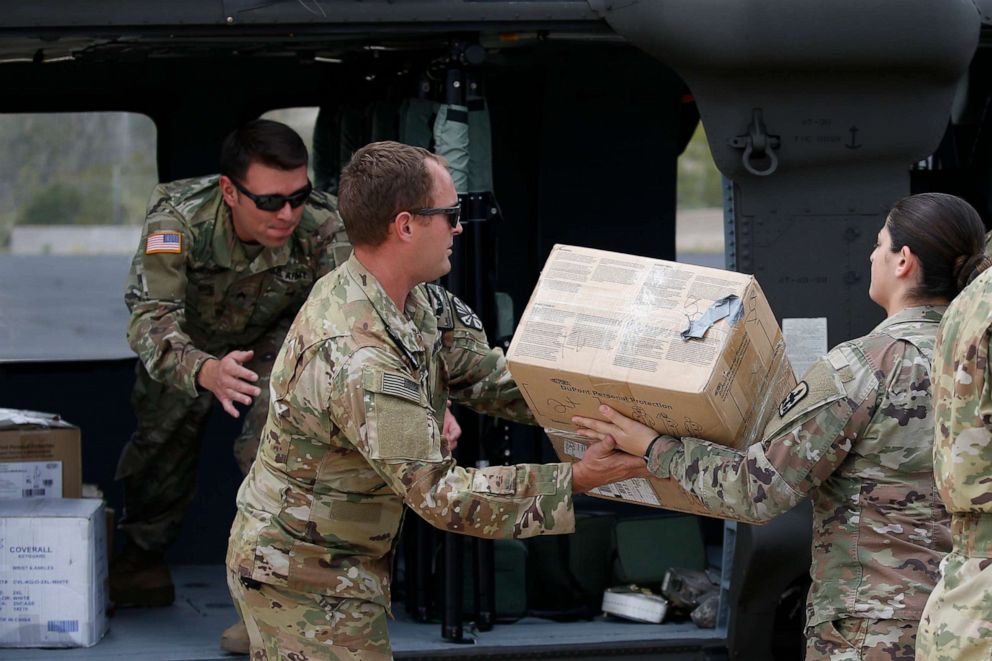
{"x": 856, "y": 436}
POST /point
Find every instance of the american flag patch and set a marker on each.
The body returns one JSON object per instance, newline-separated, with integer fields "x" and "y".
{"x": 164, "y": 242}
{"x": 399, "y": 386}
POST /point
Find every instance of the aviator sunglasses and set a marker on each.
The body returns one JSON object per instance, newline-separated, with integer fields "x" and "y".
{"x": 453, "y": 214}
{"x": 276, "y": 202}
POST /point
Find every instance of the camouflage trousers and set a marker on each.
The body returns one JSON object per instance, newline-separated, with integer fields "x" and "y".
{"x": 284, "y": 625}
{"x": 957, "y": 620}
{"x": 861, "y": 639}
{"x": 159, "y": 463}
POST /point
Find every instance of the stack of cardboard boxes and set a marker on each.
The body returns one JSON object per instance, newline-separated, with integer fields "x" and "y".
{"x": 53, "y": 542}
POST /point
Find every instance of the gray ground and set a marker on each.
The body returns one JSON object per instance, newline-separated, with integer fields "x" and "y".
{"x": 63, "y": 307}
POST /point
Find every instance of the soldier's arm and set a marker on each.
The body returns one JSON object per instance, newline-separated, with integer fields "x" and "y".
{"x": 376, "y": 402}
{"x": 155, "y": 295}
{"x": 809, "y": 436}
{"x": 478, "y": 374}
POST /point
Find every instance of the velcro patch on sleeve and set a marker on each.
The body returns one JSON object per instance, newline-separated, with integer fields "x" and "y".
{"x": 164, "y": 242}
{"x": 819, "y": 386}
{"x": 399, "y": 427}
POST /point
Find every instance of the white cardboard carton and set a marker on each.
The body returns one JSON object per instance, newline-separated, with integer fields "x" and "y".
{"x": 53, "y": 572}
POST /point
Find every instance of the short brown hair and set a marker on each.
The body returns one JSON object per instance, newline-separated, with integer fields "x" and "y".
{"x": 263, "y": 141}
{"x": 948, "y": 237}
{"x": 381, "y": 180}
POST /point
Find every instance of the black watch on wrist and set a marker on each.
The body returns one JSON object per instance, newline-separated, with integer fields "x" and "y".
{"x": 647, "y": 451}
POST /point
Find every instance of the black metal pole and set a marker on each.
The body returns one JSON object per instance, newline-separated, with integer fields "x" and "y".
{"x": 424, "y": 544}
{"x": 451, "y": 623}
{"x": 485, "y": 579}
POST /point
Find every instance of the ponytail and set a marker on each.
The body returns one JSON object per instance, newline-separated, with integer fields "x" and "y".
{"x": 966, "y": 269}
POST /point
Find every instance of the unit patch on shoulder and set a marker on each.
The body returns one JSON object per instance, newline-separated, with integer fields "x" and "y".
{"x": 793, "y": 398}
{"x": 466, "y": 315}
{"x": 159, "y": 242}
{"x": 442, "y": 309}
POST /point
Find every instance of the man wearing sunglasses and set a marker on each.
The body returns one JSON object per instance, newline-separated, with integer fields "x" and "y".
{"x": 354, "y": 430}
{"x": 223, "y": 265}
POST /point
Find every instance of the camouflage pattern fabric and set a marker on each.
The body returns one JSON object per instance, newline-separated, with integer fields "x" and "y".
{"x": 957, "y": 622}
{"x": 861, "y": 639}
{"x": 353, "y": 434}
{"x": 856, "y": 435}
{"x": 209, "y": 298}
{"x": 284, "y": 625}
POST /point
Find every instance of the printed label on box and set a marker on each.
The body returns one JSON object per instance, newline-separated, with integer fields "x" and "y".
{"x": 31, "y": 479}
{"x": 636, "y": 490}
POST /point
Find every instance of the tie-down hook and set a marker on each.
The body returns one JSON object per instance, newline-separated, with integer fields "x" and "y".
{"x": 757, "y": 144}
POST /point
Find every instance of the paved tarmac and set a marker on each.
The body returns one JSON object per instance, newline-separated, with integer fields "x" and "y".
{"x": 63, "y": 307}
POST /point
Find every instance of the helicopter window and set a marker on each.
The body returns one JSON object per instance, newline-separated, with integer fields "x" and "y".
{"x": 699, "y": 236}
{"x": 73, "y": 190}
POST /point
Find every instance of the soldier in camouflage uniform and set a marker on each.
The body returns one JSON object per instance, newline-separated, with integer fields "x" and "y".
{"x": 223, "y": 265}
{"x": 856, "y": 435}
{"x": 353, "y": 431}
{"x": 957, "y": 620}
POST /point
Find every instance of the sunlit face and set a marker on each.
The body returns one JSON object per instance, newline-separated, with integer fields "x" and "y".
{"x": 271, "y": 229}
{"x": 435, "y": 234}
{"x": 882, "y": 268}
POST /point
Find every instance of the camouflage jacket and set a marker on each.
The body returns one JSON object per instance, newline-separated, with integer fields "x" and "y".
{"x": 963, "y": 408}
{"x": 201, "y": 295}
{"x": 856, "y": 435}
{"x": 354, "y": 433}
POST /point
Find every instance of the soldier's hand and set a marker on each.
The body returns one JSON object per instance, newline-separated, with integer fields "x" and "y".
{"x": 229, "y": 381}
{"x": 630, "y": 435}
{"x": 602, "y": 464}
{"x": 451, "y": 430}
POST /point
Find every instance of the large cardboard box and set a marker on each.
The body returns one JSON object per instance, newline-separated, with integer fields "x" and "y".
{"x": 39, "y": 456}
{"x": 687, "y": 350}
{"x": 53, "y": 572}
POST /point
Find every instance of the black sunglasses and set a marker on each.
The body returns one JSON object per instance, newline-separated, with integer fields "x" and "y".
{"x": 453, "y": 214}
{"x": 276, "y": 202}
